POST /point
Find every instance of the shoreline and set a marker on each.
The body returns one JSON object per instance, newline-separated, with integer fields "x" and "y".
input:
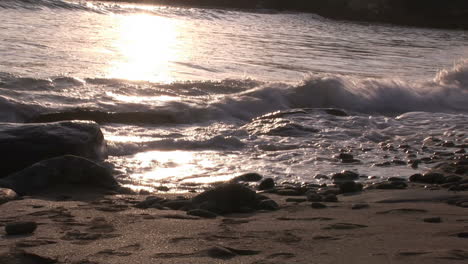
{"x": 79, "y": 226}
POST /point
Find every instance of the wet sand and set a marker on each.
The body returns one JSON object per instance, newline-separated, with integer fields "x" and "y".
{"x": 415, "y": 225}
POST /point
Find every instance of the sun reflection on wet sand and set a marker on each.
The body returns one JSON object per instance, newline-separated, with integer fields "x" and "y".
{"x": 177, "y": 169}
{"x": 173, "y": 164}
{"x": 146, "y": 46}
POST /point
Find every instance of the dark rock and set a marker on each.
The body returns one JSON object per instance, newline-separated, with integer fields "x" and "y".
{"x": 359, "y": 206}
{"x": 345, "y": 176}
{"x": 177, "y": 204}
{"x": 226, "y": 198}
{"x": 415, "y": 177}
{"x": 433, "y": 177}
{"x": 349, "y": 187}
{"x": 7, "y": 195}
{"x": 67, "y": 169}
{"x": 344, "y": 156}
{"x": 398, "y": 162}
{"x": 415, "y": 164}
{"x": 383, "y": 164}
{"x": 396, "y": 185}
{"x": 202, "y": 213}
{"x": 266, "y": 184}
{"x": 122, "y": 190}
{"x": 432, "y": 220}
{"x": 318, "y": 205}
{"x": 162, "y": 188}
{"x": 144, "y": 192}
{"x": 396, "y": 179}
{"x": 321, "y": 177}
{"x": 314, "y": 197}
{"x": 463, "y": 235}
{"x": 330, "y": 198}
{"x": 448, "y": 144}
{"x": 290, "y": 192}
{"x": 452, "y": 178}
{"x": 248, "y": 177}
{"x": 268, "y": 205}
{"x": 220, "y": 253}
{"x": 296, "y": 200}
{"x": 328, "y": 190}
{"x": 461, "y": 170}
{"x": 460, "y": 151}
{"x": 25, "y": 144}
{"x": 20, "y": 228}
{"x": 335, "y": 112}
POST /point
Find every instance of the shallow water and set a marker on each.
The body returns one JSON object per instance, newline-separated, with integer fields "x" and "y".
{"x": 193, "y": 90}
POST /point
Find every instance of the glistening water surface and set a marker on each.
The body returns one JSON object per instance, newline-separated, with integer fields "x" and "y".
{"x": 194, "y": 85}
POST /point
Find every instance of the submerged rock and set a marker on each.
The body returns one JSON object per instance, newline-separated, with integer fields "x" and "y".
{"x": 266, "y": 184}
{"x": 25, "y": 144}
{"x": 66, "y": 169}
{"x": 248, "y": 177}
{"x": 345, "y": 176}
{"x": 429, "y": 177}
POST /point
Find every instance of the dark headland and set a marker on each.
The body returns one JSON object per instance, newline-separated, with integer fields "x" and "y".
{"x": 451, "y": 14}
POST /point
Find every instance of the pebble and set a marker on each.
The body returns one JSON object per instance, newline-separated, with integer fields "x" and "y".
{"x": 359, "y": 206}
{"x": 20, "y": 228}
{"x": 396, "y": 185}
{"x": 345, "y": 176}
{"x": 432, "y": 220}
{"x": 318, "y": 205}
{"x": 266, "y": 184}
{"x": 296, "y": 200}
{"x": 330, "y": 198}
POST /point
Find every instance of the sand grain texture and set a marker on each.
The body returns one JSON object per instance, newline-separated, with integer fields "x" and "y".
{"x": 78, "y": 230}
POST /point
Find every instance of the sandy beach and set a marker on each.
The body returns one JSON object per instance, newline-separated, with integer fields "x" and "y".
{"x": 376, "y": 226}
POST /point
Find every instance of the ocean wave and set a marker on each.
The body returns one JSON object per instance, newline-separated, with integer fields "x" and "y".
{"x": 230, "y": 99}
{"x": 48, "y": 4}
{"x": 167, "y": 9}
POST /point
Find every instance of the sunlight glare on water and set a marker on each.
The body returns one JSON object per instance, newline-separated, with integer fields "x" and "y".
{"x": 146, "y": 46}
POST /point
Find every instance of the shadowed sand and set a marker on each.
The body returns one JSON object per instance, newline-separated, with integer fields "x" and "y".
{"x": 88, "y": 228}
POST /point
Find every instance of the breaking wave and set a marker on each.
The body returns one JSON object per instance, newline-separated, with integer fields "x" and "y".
{"x": 230, "y": 99}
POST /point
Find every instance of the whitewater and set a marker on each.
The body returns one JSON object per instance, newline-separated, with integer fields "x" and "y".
{"x": 186, "y": 97}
